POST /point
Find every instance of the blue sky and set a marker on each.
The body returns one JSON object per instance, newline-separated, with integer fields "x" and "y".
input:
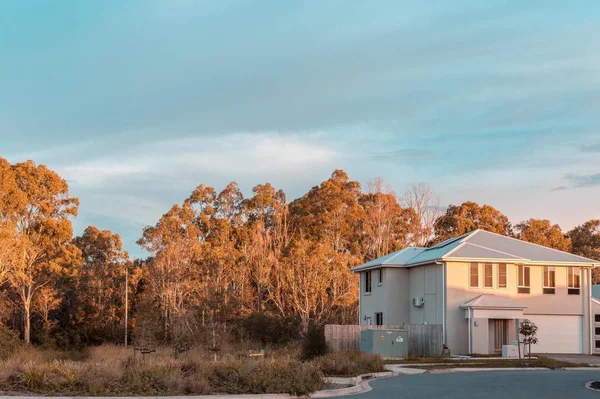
{"x": 137, "y": 102}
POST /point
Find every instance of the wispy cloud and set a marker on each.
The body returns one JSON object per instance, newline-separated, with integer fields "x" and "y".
{"x": 560, "y": 188}
{"x": 589, "y": 180}
{"x": 580, "y": 181}
{"x": 235, "y": 154}
{"x": 591, "y": 148}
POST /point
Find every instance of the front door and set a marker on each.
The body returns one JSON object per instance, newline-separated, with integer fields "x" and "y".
{"x": 500, "y": 334}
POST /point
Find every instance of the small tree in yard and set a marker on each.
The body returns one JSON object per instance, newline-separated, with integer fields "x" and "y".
{"x": 528, "y": 330}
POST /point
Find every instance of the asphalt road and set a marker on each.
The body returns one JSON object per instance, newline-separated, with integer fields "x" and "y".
{"x": 487, "y": 385}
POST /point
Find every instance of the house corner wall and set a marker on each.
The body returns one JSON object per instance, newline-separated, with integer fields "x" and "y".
{"x": 398, "y": 301}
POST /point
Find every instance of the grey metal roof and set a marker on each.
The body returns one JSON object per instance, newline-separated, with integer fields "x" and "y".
{"x": 438, "y": 251}
{"x": 490, "y": 301}
{"x": 522, "y": 249}
{"x": 398, "y": 258}
{"x": 469, "y": 250}
{"x": 478, "y": 244}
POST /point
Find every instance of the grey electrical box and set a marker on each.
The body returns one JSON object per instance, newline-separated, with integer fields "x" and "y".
{"x": 387, "y": 343}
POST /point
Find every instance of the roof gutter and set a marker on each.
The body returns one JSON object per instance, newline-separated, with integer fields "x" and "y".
{"x": 522, "y": 261}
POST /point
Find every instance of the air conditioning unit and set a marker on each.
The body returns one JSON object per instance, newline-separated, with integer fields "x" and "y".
{"x": 418, "y": 301}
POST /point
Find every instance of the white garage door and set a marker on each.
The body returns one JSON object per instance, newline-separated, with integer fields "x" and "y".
{"x": 558, "y": 334}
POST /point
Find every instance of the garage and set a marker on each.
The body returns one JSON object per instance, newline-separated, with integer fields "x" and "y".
{"x": 558, "y": 334}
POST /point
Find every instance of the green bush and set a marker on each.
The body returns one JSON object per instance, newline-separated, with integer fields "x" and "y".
{"x": 314, "y": 343}
{"x": 347, "y": 364}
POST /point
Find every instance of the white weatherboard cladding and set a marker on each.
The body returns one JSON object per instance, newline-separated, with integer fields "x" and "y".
{"x": 558, "y": 334}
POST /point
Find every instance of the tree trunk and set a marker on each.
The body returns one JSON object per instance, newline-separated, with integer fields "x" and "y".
{"x": 27, "y": 323}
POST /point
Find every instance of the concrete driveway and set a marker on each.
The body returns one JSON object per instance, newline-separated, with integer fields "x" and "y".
{"x": 487, "y": 385}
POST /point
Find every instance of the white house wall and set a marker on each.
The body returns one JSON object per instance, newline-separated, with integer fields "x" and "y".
{"x": 458, "y": 292}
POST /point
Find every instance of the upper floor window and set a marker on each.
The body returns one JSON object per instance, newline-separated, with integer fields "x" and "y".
{"x": 502, "y": 275}
{"x": 549, "y": 280}
{"x": 474, "y": 275}
{"x": 524, "y": 279}
{"x": 368, "y": 281}
{"x": 573, "y": 280}
{"x": 488, "y": 275}
{"x": 380, "y": 276}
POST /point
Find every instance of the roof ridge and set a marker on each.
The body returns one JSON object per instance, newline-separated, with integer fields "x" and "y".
{"x": 450, "y": 240}
{"x": 494, "y": 250}
{"x": 537, "y": 245}
{"x": 471, "y": 300}
{"x": 394, "y": 254}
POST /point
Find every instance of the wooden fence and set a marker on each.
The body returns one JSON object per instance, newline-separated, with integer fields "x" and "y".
{"x": 423, "y": 339}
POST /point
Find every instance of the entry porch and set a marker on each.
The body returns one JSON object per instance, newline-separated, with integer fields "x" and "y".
{"x": 492, "y": 322}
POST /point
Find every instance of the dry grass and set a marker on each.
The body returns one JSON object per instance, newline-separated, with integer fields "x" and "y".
{"x": 346, "y": 364}
{"x": 541, "y": 361}
{"x": 112, "y": 371}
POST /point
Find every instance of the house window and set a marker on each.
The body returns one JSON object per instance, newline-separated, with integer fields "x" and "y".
{"x": 524, "y": 279}
{"x": 573, "y": 280}
{"x": 380, "y": 276}
{"x": 488, "y": 273}
{"x": 379, "y": 319}
{"x": 474, "y": 275}
{"x": 502, "y": 275}
{"x": 597, "y": 330}
{"x": 368, "y": 281}
{"x": 597, "y": 318}
{"x": 549, "y": 280}
{"x": 597, "y": 344}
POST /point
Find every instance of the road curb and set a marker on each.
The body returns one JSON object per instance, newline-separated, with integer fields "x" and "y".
{"x": 482, "y": 369}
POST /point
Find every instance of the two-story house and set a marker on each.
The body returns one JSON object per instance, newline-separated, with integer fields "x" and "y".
{"x": 479, "y": 286}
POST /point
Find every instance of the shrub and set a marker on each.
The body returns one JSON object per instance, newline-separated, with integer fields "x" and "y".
{"x": 346, "y": 364}
{"x": 314, "y": 344}
{"x": 9, "y": 342}
{"x": 268, "y": 376}
{"x": 292, "y": 377}
{"x": 260, "y": 327}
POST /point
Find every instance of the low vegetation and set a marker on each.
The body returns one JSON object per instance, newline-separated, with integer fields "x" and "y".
{"x": 114, "y": 371}
{"x": 490, "y": 362}
{"x": 346, "y": 364}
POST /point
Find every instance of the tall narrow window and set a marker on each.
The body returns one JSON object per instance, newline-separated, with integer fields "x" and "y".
{"x": 368, "y": 281}
{"x": 549, "y": 280}
{"x": 573, "y": 280}
{"x": 379, "y": 319}
{"x": 524, "y": 279}
{"x": 502, "y": 275}
{"x": 488, "y": 276}
{"x": 380, "y": 276}
{"x": 474, "y": 275}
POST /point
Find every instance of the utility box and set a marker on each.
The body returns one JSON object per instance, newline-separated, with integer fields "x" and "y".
{"x": 387, "y": 343}
{"x": 510, "y": 351}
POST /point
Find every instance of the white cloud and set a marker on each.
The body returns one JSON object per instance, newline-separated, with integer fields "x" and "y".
{"x": 265, "y": 155}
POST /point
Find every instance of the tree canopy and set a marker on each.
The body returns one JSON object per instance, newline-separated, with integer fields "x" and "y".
{"x": 543, "y": 232}
{"x": 218, "y": 258}
{"x": 470, "y": 216}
